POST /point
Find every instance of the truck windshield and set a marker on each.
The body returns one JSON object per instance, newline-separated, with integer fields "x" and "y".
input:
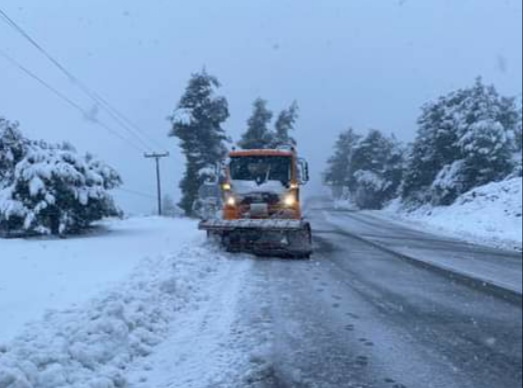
{"x": 261, "y": 169}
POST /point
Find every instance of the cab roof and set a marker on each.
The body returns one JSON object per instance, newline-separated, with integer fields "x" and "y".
{"x": 246, "y": 153}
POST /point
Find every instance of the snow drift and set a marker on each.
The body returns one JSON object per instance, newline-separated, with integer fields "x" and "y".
{"x": 93, "y": 345}
{"x": 488, "y": 214}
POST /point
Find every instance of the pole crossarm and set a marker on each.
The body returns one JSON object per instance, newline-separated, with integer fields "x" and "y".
{"x": 157, "y": 155}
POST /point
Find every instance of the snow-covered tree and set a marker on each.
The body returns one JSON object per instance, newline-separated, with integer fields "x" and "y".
{"x": 285, "y": 124}
{"x": 197, "y": 122}
{"x": 464, "y": 140}
{"x": 258, "y": 134}
{"x": 435, "y": 146}
{"x": 54, "y": 190}
{"x": 12, "y": 149}
{"x": 486, "y": 129}
{"x": 369, "y": 168}
{"x": 339, "y": 165}
{"x": 376, "y": 170}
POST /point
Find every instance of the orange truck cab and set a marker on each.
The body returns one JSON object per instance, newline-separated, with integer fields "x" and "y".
{"x": 263, "y": 184}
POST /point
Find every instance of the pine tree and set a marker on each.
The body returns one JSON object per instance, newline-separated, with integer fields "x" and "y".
{"x": 369, "y": 169}
{"x": 394, "y": 168}
{"x": 197, "y": 122}
{"x": 258, "y": 134}
{"x": 518, "y": 128}
{"x": 435, "y": 146}
{"x": 485, "y": 132}
{"x": 377, "y": 169}
{"x": 285, "y": 125}
{"x": 339, "y": 165}
{"x": 463, "y": 141}
{"x": 12, "y": 149}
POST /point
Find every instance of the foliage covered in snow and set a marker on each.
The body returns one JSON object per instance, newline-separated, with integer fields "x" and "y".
{"x": 197, "y": 122}
{"x": 48, "y": 188}
{"x": 366, "y": 171}
{"x": 465, "y": 140}
{"x": 182, "y": 116}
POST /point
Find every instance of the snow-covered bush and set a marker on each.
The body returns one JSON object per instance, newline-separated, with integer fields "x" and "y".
{"x": 447, "y": 186}
{"x": 51, "y": 189}
{"x": 369, "y": 189}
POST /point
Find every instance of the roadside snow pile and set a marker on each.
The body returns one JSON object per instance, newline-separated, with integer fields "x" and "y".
{"x": 41, "y": 274}
{"x": 92, "y": 346}
{"x": 489, "y": 214}
{"x": 344, "y": 204}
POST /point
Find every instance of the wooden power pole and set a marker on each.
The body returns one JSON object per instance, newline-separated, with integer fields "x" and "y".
{"x": 157, "y": 158}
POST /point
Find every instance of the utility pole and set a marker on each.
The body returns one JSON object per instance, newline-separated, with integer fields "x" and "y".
{"x": 157, "y": 158}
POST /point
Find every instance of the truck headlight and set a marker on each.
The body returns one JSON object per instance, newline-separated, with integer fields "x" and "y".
{"x": 231, "y": 201}
{"x": 289, "y": 200}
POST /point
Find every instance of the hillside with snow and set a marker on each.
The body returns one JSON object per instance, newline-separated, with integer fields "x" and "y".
{"x": 490, "y": 214}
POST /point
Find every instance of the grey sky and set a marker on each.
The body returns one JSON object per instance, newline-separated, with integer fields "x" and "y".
{"x": 361, "y": 63}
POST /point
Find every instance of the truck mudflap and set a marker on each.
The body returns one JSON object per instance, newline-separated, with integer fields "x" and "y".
{"x": 282, "y": 238}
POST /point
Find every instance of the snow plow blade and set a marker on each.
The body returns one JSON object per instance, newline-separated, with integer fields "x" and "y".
{"x": 283, "y": 238}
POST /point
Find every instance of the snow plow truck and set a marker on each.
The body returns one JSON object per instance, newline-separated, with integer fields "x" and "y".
{"x": 262, "y": 211}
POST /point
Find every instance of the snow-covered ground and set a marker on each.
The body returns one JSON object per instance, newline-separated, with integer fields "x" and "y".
{"x": 489, "y": 215}
{"x": 344, "y": 204}
{"x": 95, "y": 307}
{"x": 44, "y": 274}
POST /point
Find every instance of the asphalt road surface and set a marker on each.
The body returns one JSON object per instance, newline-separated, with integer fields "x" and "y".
{"x": 356, "y": 316}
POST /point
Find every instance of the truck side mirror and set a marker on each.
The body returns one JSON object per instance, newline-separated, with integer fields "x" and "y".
{"x": 303, "y": 168}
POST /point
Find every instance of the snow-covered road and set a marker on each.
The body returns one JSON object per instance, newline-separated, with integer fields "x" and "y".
{"x": 189, "y": 315}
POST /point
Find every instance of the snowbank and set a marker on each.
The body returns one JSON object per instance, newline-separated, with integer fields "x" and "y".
{"x": 344, "y": 204}
{"x": 42, "y": 274}
{"x": 96, "y": 343}
{"x": 490, "y": 214}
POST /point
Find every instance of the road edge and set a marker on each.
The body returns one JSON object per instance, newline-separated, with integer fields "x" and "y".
{"x": 507, "y": 294}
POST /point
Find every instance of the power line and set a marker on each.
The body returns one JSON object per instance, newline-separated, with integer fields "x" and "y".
{"x": 124, "y": 121}
{"x": 113, "y": 112}
{"x": 136, "y": 193}
{"x": 65, "y": 98}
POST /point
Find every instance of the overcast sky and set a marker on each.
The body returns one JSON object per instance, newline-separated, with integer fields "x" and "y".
{"x": 360, "y": 63}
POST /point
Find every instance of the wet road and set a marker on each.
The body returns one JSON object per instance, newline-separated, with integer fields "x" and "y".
{"x": 355, "y": 316}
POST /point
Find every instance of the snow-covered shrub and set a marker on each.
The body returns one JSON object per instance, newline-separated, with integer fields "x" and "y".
{"x": 51, "y": 189}
{"x": 447, "y": 186}
{"x": 487, "y": 153}
{"x": 369, "y": 191}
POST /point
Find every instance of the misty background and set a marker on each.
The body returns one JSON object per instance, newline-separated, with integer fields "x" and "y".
{"x": 361, "y": 63}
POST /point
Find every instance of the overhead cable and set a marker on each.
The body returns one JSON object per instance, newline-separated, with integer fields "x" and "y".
{"x": 66, "y": 99}
{"x": 120, "y": 118}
